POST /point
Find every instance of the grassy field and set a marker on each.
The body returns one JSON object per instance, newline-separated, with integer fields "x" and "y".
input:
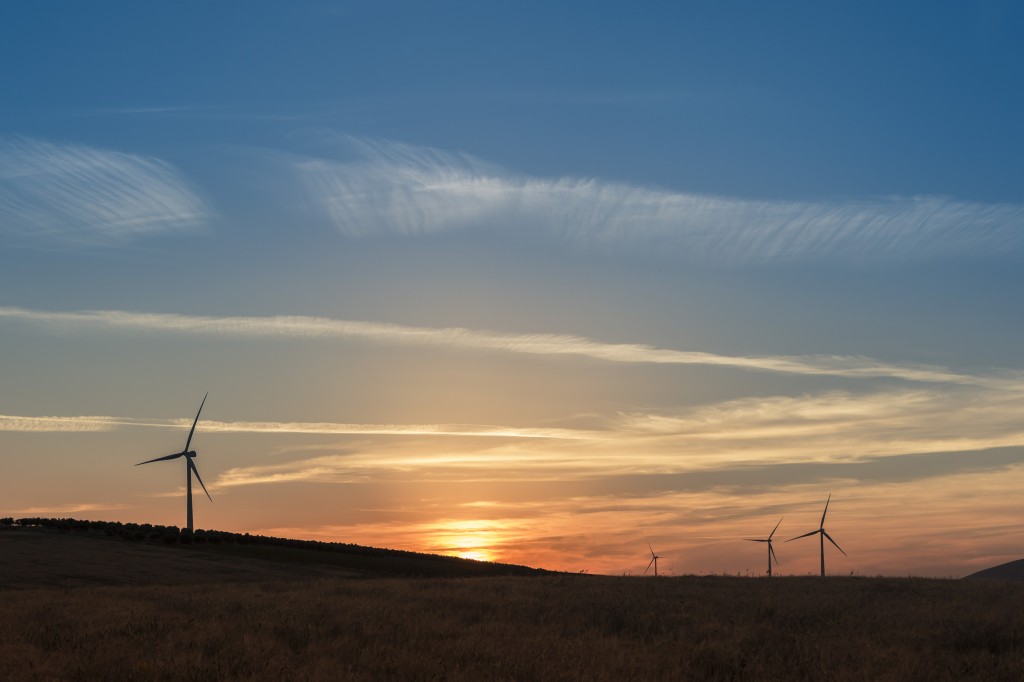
{"x": 307, "y": 625}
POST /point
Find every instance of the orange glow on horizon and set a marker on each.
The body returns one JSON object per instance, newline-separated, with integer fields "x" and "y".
{"x": 469, "y": 539}
{"x": 944, "y": 526}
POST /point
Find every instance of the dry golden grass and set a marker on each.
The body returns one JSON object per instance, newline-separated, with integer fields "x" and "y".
{"x": 79, "y": 607}
{"x": 543, "y": 628}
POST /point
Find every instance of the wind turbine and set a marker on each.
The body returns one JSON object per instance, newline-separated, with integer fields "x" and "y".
{"x": 824, "y": 534}
{"x": 190, "y": 466}
{"x": 771, "y": 552}
{"x": 654, "y": 560}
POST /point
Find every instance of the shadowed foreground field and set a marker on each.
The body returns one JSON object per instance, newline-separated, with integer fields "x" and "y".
{"x": 575, "y": 628}
{"x": 554, "y": 627}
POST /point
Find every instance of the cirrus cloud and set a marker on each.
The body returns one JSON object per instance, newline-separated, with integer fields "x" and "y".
{"x": 401, "y": 189}
{"x": 77, "y": 194}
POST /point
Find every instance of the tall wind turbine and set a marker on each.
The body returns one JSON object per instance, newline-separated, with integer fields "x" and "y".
{"x": 190, "y": 466}
{"x": 654, "y": 560}
{"x": 771, "y": 552}
{"x": 823, "y": 535}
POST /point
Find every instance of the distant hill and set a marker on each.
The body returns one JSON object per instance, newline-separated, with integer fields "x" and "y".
{"x": 68, "y": 552}
{"x": 1011, "y": 570}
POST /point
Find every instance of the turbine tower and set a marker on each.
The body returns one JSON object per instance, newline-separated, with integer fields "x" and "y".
{"x": 771, "y": 552}
{"x": 190, "y": 466}
{"x": 823, "y": 534}
{"x": 654, "y": 560}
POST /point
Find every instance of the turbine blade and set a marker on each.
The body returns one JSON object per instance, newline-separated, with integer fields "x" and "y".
{"x": 189, "y": 441}
{"x": 192, "y": 465}
{"x": 813, "y": 532}
{"x": 648, "y": 567}
{"x": 772, "y": 552}
{"x": 776, "y": 528}
{"x": 834, "y": 543}
{"x": 822, "y": 513}
{"x": 649, "y": 547}
{"x": 160, "y": 459}
{"x": 753, "y": 540}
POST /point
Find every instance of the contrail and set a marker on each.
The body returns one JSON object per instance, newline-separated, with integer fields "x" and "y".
{"x": 52, "y": 424}
{"x": 301, "y": 327}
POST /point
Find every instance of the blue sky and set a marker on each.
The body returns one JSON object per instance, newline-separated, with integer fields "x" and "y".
{"x": 549, "y": 270}
{"x": 730, "y": 98}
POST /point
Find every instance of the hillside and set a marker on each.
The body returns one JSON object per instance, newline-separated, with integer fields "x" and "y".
{"x": 1011, "y": 570}
{"x": 556, "y": 627}
{"x": 64, "y": 552}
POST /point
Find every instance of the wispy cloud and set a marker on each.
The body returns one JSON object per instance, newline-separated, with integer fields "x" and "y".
{"x": 72, "y": 508}
{"x": 814, "y": 429}
{"x": 395, "y": 188}
{"x": 79, "y": 194}
{"x": 330, "y": 428}
{"x": 832, "y": 426}
{"x": 101, "y": 423}
{"x": 315, "y": 470}
{"x": 531, "y": 344}
{"x": 413, "y": 461}
{"x": 949, "y": 525}
{"x": 155, "y": 109}
{"x": 10, "y": 422}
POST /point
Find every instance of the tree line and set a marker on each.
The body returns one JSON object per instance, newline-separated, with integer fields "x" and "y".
{"x": 173, "y": 535}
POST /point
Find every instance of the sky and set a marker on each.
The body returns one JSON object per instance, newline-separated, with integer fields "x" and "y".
{"x": 526, "y": 282}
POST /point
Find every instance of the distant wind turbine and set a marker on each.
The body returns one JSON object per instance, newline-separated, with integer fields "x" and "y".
{"x": 821, "y": 531}
{"x": 771, "y": 552}
{"x": 654, "y": 560}
{"x": 190, "y": 466}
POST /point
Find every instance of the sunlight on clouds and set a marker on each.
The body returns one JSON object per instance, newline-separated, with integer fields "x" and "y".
{"x": 71, "y": 508}
{"x": 415, "y": 461}
{"x": 317, "y": 469}
{"x": 828, "y": 427}
{"x": 935, "y": 522}
{"x": 838, "y": 425}
{"x": 943, "y": 526}
{"x": 468, "y": 430}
